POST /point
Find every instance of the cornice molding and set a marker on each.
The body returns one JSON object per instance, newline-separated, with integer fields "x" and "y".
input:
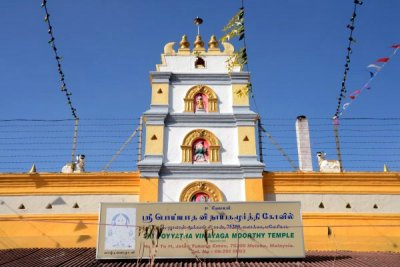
{"x": 160, "y": 76}
{"x": 201, "y": 171}
{"x": 209, "y": 78}
{"x": 69, "y": 184}
{"x": 213, "y": 119}
{"x": 357, "y": 183}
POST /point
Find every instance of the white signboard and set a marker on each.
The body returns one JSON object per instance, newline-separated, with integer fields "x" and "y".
{"x": 200, "y": 230}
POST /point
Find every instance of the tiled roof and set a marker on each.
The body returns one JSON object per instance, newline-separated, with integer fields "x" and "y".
{"x": 87, "y": 257}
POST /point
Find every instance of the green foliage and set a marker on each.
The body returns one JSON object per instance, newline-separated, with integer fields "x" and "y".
{"x": 231, "y": 61}
{"x": 197, "y": 53}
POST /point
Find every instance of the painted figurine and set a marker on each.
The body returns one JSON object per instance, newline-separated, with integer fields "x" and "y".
{"x": 200, "y": 197}
{"x": 200, "y": 152}
{"x": 200, "y": 102}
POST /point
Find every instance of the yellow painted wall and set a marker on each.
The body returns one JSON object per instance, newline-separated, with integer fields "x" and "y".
{"x": 58, "y": 230}
{"x": 254, "y": 189}
{"x": 350, "y": 231}
{"x": 159, "y": 94}
{"x": 154, "y": 139}
{"x": 148, "y": 190}
{"x": 247, "y": 147}
{"x": 239, "y": 100}
{"x": 362, "y": 232}
{"x": 48, "y": 231}
{"x": 355, "y": 232}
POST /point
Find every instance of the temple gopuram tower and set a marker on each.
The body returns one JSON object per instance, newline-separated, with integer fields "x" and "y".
{"x": 200, "y": 140}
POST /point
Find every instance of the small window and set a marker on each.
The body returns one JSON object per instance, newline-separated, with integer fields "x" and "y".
{"x": 199, "y": 63}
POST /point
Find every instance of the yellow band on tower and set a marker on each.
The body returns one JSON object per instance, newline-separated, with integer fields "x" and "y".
{"x": 159, "y": 94}
{"x": 240, "y": 95}
{"x": 154, "y": 139}
{"x": 247, "y": 141}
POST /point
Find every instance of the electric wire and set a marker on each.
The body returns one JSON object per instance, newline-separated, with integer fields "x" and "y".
{"x": 361, "y": 143}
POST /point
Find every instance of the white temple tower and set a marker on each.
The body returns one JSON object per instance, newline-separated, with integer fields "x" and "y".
{"x": 200, "y": 133}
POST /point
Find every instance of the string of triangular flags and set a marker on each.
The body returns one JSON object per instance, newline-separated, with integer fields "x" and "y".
{"x": 63, "y": 88}
{"x": 351, "y": 27}
{"x": 374, "y": 69}
{"x": 235, "y": 29}
{"x": 58, "y": 58}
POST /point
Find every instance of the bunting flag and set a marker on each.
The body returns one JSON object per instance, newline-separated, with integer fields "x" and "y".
{"x": 374, "y": 66}
{"x": 355, "y": 93}
{"x": 242, "y": 56}
{"x": 378, "y": 68}
{"x": 383, "y": 59}
{"x": 58, "y": 57}
{"x": 235, "y": 27}
{"x": 237, "y": 19}
{"x": 63, "y": 86}
{"x": 352, "y": 40}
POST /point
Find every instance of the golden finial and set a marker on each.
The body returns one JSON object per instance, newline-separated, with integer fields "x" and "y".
{"x": 213, "y": 43}
{"x": 184, "y": 44}
{"x": 198, "y": 43}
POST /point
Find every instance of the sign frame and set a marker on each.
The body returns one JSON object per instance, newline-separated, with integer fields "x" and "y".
{"x": 109, "y": 211}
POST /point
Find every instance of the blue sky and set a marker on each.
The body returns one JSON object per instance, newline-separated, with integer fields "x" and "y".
{"x": 296, "y": 52}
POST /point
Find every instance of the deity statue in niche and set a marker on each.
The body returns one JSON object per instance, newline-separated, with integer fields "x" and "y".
{"x": 200, "y": 197}
{"x": 201, "y": 103}
{"x": 200, "y": 151}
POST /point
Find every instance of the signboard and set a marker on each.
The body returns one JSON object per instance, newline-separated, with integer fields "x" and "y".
{"x": 200, "y": 230}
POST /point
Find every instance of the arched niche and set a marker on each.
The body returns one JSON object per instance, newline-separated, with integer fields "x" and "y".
{"x": 209, "y": 191}
{"x": 193, "y": 137}
{"x": 209, "y": 96}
